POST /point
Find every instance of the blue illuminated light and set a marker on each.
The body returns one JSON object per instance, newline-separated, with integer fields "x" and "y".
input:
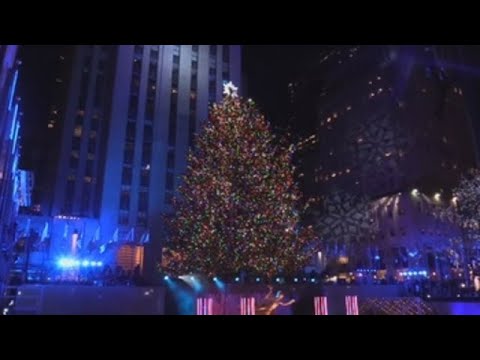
{"x": 166, "y": 278}
{"x": 15, "y": 137}
{"x": 12, "y": 129}
{"x": 312, "y": 280}
{"x": 215, "y": 279}
{"x": 258, "y": 279}
{"x": 278, "y": 279}
{"x": 237, "y": 279}
{"x": 12, "y": 90}
{"x": 377, "y": 257}
{"x": 295, "y": 280}
{"x": 68, "y": 263}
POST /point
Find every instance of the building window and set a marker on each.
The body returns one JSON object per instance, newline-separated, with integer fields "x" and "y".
{"x": 127, "y": 176}
{"x": 145, "y": 178}
{"x": 138, "y": 50}
{"x": 146, "y": 154}
{"x": 172, "y": 129}
{"x": 125, "y": 200}
{"x": 98, "y": 96}
{"x": 226, "y": 53}
{"x": 133, "y": 107}
{"x": 169, "y": 181}
{"x": 91, "y": 146}
{"x": 154, "y": 52}
{"x": 123, "y": 218}
{"x": 143, "y": 201}
{"x": 170, "y": 159}
{"x": 168, "y": 197}
{"x": 86, "y": 198}
{"x": 213, "y": 50}
{"x": 149, "y": 109}
{"x": 76, "y": 142}
{"x": 73, "y": 162}
{"x": 77, "y": 132}
{"x": 128, "y": 153}
{"x": 131, "y": 131}
{"x": 94, "y": 123}
{"x": 142, "y": 219}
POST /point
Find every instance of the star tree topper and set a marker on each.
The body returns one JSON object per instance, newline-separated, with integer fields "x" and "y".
{"x": 230, "y": 90}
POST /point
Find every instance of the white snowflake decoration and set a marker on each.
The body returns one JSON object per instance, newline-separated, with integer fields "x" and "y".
{"x": 230, "y": 90}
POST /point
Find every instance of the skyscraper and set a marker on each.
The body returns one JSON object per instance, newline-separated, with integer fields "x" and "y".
{"x": 388, "y": 118}
{"x": 130, "y": 119}
{"x": 392, "y": 125}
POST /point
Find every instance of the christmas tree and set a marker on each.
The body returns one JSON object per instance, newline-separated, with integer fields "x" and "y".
{"x": 239, "y": 207}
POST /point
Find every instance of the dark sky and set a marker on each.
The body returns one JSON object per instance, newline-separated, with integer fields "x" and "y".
{"x": 269, "y": 69}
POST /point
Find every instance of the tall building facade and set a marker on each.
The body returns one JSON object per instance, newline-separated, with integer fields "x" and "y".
{"x": 392, "y": 125}
{"x": 10, "y": 117}
{"x": 130, "y": 119}
{"x": 388, "y": 118}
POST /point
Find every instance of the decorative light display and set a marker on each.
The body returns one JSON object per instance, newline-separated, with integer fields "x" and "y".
{"x": 71, "y": 263}
{"x": 345, "y": 219}
{"x": 239, "y": 206}
{"x": 393, "y": 306}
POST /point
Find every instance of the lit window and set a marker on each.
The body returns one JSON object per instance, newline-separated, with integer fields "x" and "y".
{"x": 174, "y": 91}
{"x": 75, "y": 154}
{"x": 349, "y": 108}
{"x": 90, "y": 156}
{"x": 50, "y": 125}
{"x": 347, "y": 171}
{"x": 88, "y": 179}
{"x": 380, "y": 90}
{"x": 329, "y": 119}
{"x": 460, "y": 91}
{"x": 93, "y": 134}
{"x": 80, "y": 113}
{"x": 58, "y": 80}
{"x": 379, "y": 78}
{"x": 71, "y": 178}
{"x": 360, "y": 140}
{"x": 78, "y": 131}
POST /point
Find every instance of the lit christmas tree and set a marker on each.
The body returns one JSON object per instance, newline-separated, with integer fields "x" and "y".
{"x": 239, "y": 207}
{"x": 464, "y": 211}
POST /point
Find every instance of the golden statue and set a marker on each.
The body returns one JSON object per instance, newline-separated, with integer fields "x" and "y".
{"x": 271, "y": 303}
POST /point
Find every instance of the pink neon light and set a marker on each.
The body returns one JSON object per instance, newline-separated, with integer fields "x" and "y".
{"x": 247, "y": 306}
{"x": 351, "y": 303}
{"x": 204, "y": 306}
{"x": 320, "y": 304}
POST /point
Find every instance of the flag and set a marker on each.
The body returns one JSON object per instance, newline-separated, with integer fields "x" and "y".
{"x": 115, "y": 236}
{"x": 65, "y": 232}
{"x": 131, "y": 235}
{"x": 44, "y": 232}
{"x": 146, "y": 238}
{"x": 97, "y": 234}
